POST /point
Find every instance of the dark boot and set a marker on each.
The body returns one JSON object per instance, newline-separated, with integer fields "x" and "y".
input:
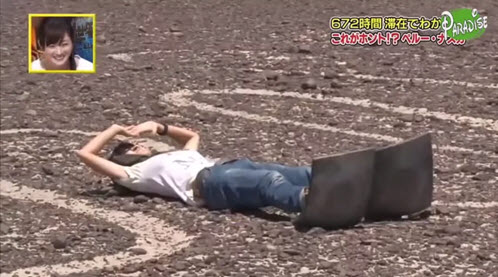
{"x": 339, "y": 191}
{"x": 402, "y": 183}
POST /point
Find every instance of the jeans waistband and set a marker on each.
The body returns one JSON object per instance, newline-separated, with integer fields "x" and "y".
{"x": 198, "y": 185}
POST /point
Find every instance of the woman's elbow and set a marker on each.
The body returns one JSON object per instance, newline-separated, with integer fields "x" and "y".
{"x": 82, "y": 155}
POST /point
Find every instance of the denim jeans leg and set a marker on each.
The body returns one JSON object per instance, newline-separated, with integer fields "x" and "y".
{"x": 297, "y": 175}
{"x": 230, "y": 186}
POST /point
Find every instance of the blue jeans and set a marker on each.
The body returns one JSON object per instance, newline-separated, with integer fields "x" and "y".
{"x": 244, "y": 184}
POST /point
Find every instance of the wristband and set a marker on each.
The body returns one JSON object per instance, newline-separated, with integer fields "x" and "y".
{"x": 165, "y": 130}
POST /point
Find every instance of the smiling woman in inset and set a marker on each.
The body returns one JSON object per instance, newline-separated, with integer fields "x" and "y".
{"x": 55, "y": 38}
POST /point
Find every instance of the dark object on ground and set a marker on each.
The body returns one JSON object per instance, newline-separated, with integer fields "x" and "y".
{"x": 339, "y": 191}
{"x": 403, "y": 181}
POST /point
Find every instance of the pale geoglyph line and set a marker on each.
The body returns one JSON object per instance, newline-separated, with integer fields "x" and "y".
{"x": 34, "y": 130}
{"x": 488, "y": 124}
{"x": 425, "y": 80}
{"x": 249, "y": 53}
{"x": 153, "y": 235}
{"x": 166, "y": 145}
{"x": 180, "y": 98}
{"x": 467, "y": 204}
{"x": 354, "y": 74}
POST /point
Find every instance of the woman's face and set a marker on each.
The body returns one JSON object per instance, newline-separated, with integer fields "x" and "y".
{"x": 56, "y": 56}
{"x": 139, "y": 149}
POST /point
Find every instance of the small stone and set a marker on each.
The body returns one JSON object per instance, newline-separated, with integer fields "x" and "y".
{"x": 142, "y": 29}
{"x": 210, "y": 273}
{"x": 140, "y": 199}
{"x": 59, "y": 242}
{"x": 4, "y": 228}
{"x": 132, "y": 268}
{"x": 282, "y": 82}
{"x": 309, "y": 84}
{"x": 335, "y": 84}
{"x": 451, "y": 230}
{"x": 52, "y": 134}
{"x": 492, "y": 102}
{"x": 160, "y": 267}
{"x": 482, "y": 176}
{"x": 271, "y": 247}
{"x": 209, "y": 259}
{"x": 325, "y": 265}
{"x": 131, "y": 207}
{"x": 129, "y": 2}
{"x": 47, "y": 170}
{"x": 304, "y": 49}
{"x": 443, "y": 170}
{"x": 112, "y": 192}
{"x": 23, "y": 96}
{"x": 406, "y": 117}
{"x": 292, "y": 252}
{"x": 483, "y": 12}
{"x": 369, "y": 241}
{"x": 296, "y": 73}
{"x": 85, "y": 88}
{"x": 420, "y": 215}
{"x": 399, "y": 125}
{"x": 443, "y": 211}
{"x": 270, "y": 75}
{"x": 330, "y": 74}
{"x": 180, "y": 265}
{"x": 31, "y": 112}
{"x": 483, "y": 256}
{"x": 101, "y": 38}
{"x": 468, "y": 168}
{"x": 175, "y": 29}
{"x": 158, "y": 200}
{"x": 454, "y": 241}
{"x": 416, "y": 82}
{"x": 418, "y": 118}
{"x": 5, "y": 248}
{"x": 120, "y": 57}
{"x": 138, "y": 251}
{"x": 316, "y": 231}
{"x": 304, "y": 270}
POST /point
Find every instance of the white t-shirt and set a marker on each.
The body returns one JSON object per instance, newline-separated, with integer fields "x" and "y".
{"x": 170, "y": 174}
{"x": 81, "y": 64}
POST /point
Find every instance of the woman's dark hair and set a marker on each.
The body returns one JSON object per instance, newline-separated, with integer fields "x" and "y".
{"x": 52, "y": 30}
{"x": 119, "y": 156}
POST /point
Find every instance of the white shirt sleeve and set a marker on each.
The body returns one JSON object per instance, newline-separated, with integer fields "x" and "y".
{"x": 134, "y": 176}
{"x": 82, "y": 64}
{"x": 36, "y": 65}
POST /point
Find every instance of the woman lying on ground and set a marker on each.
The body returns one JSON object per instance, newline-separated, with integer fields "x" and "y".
{"x": 187, "y": 175}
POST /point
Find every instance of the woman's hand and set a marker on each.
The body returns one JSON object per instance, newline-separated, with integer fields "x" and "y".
{"x": 143, "y": 128}
{"x": 124, "y": 130}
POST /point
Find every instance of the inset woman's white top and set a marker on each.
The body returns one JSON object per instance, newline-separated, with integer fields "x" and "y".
{"x": 81, "y": 64}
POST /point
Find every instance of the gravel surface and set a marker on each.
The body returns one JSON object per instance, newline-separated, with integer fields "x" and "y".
{"x": 147, "y": 50}
{"x": 40, "y": 234}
